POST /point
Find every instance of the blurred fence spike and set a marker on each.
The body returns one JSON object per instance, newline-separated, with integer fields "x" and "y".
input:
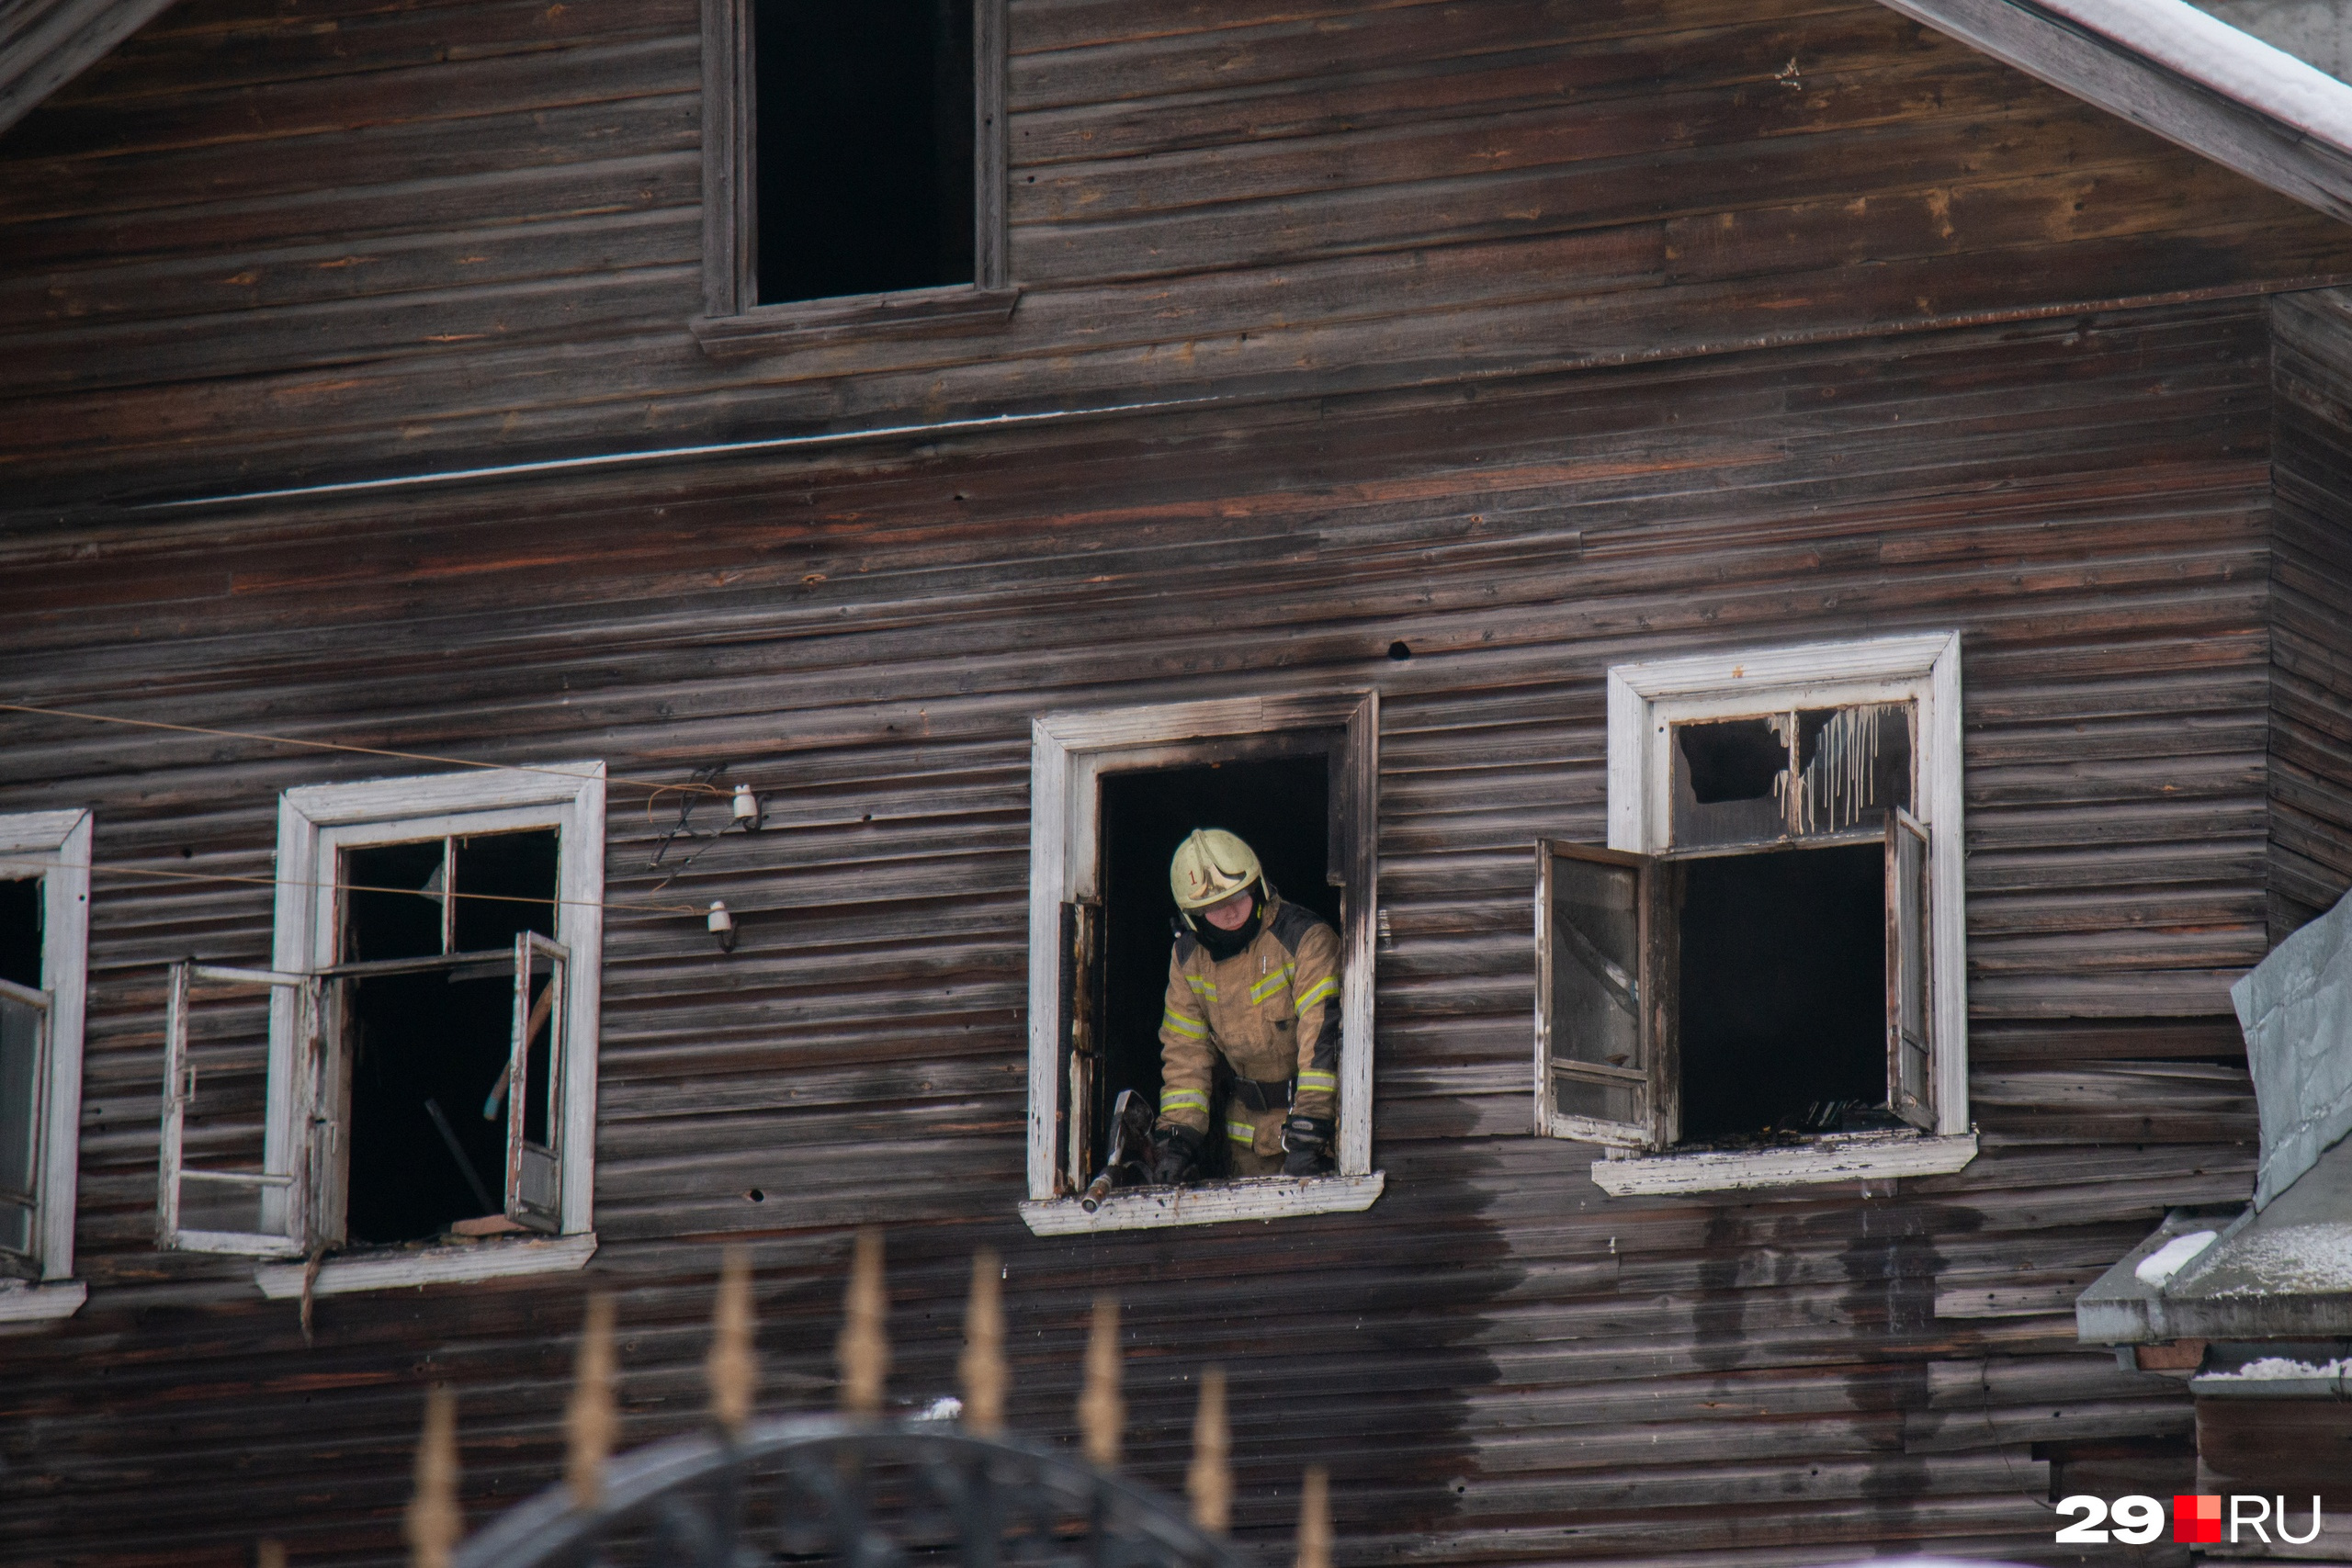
{"x": 269, "y": 1554}
{"x": 863, "y": 1348}
{"x": 591, "y": 1423}
{"x": 435, "y": 1526}
{"x": 1101, "y": 1413}
{"x": 1314, "y": 1519}
{"x": 1209, "y": 1481}
{"x": 733, "y": 1368}
{"x": 982, "y": 1366}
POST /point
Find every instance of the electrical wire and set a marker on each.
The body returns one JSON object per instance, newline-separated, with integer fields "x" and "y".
{"x": 360, "y": 750}
{"x": 38, "y": 867}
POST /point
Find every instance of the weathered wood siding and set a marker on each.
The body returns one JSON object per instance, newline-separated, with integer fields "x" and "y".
{"x": 277, "y": 240}
{"x": 1501, "y": 1364}
{"x": 2311, "y": 733}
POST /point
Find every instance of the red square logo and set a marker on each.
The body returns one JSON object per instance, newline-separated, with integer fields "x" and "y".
{"x": 2196, "y": 1519}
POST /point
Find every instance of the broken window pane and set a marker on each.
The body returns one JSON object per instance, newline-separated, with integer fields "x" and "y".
{"x": 1729, "y": 779}
{"x": 505, "y": 886}
{"x": 379, "y": 924}
{"x": 1732, "y": 777}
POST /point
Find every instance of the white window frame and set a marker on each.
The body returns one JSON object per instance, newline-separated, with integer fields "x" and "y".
{"x": 1069, "y": 754}
{"x": 1645, "y": 701}
{"x": 315, "y": 824}
{"x": 55, "y": 847}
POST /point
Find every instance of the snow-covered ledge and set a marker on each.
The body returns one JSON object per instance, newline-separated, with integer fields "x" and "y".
{"x": 390, "y": 1270}
{"x": 1247, "y": 1198}
{"x": 1838, "y": 1156}
{"x": 24, "y": 1302}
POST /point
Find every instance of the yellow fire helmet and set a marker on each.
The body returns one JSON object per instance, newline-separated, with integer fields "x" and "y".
{"x": 1211, "y": 866}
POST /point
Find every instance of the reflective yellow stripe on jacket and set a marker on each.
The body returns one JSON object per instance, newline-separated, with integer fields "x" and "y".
{"x": 1190, "y": 1028}
{"x": 1271, "y": 984}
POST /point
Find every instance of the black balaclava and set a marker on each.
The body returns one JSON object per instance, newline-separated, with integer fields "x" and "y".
{"x": 1223, "y": 945}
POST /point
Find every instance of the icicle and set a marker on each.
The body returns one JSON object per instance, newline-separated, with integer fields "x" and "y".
{"x": 1840, "y": 780}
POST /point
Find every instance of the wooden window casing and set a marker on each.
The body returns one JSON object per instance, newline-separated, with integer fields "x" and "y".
{"x": 1924, "y": 916}
{"x": 53, "y": 848}
{"x": 300, "y": 1172}
{"x": 734, "y": 325}
{"x": 1069, "y": 754}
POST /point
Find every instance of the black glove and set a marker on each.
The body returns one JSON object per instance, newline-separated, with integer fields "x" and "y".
{"x": 1175, "y": 1154}
{"x": 1306, "y": 1146}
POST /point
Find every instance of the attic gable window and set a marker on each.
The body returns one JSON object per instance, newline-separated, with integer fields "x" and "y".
{"x": 853, "y": 171}
{"x": 44, "y": 965}
{"x": 1760, "y": 980}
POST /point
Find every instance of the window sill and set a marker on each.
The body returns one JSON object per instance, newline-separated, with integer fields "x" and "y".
{"x": 1249, "y": 1198}
{"x": 22, "y": 1301}
{"x": 393, "y": 1270}
{"x": 779, "y": 329}
{"x": 1840, "y": 1157}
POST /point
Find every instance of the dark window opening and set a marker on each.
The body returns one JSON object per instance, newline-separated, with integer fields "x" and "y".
{"x": 1280, "y": 805}
{"x": 428, "y": 1049}
{"x": 21, "y": 1031}
{"x": 20, "y": 912}
{"x": 1784, "y": 993}
{"x": 864, "y": 146}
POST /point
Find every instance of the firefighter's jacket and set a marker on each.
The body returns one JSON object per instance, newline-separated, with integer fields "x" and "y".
{"x": 1271, "y": 1011}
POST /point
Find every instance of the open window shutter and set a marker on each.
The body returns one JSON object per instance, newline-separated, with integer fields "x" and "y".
{"x": 1601, "y": 1076}
{"x": 235, "y": 1164}
{"x": 330, "y": 1102}
{"x": 23, "y": 1107}
{"x": 535, "y": 1098}
{"x": 1910, "y": 1078}
{"x": 1081, "y": 1039}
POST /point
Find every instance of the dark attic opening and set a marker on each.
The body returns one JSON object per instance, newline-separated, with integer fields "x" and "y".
{"x": 864, "y": 146}
{"x": 1783, "y": 1005}
{"x": 429, "y": 1043}
{"x": 1280, "y": 805}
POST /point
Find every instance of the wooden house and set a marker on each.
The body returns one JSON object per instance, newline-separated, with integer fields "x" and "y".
{"x": 1781, "y": 568}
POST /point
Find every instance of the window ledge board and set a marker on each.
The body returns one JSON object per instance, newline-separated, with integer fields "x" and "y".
{"x": 21, "y": 1300}
{"x": 780, "y": 329}
{"x": 1249, "y": 1198}
{"x": 1847, "y": 1157}
{"x": 430, "y": 1266}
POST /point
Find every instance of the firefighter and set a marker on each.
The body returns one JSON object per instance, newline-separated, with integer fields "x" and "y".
{"x": 1253, "y": 982}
